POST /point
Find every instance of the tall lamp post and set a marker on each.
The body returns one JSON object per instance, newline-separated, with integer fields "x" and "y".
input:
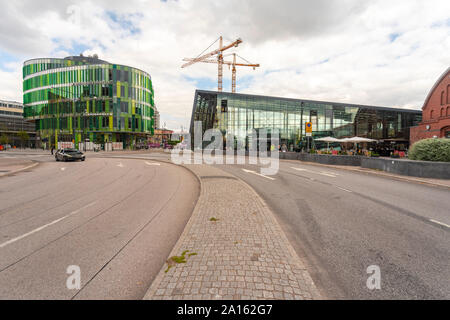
{"x": 301, "y": 124}
{"x": 74, "y": 106}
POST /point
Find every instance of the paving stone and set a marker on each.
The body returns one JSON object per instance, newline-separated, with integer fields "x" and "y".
{"x": 243, "y": 255}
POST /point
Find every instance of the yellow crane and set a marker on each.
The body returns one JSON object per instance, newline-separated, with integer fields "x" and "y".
{"x": 206, "y": 58}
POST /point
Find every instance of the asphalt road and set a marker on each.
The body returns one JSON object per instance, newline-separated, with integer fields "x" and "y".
{"x": 342, "y": 222}
{"x": 117, "y": 219}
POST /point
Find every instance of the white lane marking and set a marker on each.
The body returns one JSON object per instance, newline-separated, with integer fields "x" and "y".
{"x": 63, "y": 169}
{"x": 327, "y": 174}
{"x": 345, "y": 189}
{"x": 441, "y": 223}
{"x": 152, "y": 163}
{"x": 332, "y": 173}
{"x": 315, "y": 172}
{"x": 45, "y": 226}
{"x": 120, "y": 165}
{"x": 258, "y": 174}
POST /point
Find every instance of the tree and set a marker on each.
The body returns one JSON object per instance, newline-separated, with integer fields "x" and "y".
{"x": 24, "y": 137}
{"x": 4, "y": 139}
{"x": 98, "y": 139}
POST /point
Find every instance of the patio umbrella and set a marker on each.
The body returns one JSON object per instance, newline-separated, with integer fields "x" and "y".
{"x": 356, "y": 140}
{"x": 328, "y": 140}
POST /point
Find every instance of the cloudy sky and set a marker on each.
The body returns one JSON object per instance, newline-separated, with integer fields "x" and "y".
{"x": 386, "y": 53}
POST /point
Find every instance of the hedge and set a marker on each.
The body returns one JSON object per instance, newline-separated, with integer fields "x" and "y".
{"x": 431, "y": 150}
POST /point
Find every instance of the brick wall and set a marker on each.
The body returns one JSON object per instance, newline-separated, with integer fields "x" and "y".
{"x": 436, "y": 112}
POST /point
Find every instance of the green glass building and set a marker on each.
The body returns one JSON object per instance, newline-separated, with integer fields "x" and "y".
{"x": 78, "y": 99}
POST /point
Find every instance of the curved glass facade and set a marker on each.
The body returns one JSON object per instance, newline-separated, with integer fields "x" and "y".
{"x": 79, "y": 98}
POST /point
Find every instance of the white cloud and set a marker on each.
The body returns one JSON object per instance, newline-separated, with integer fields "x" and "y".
{"x": 325, "y": 50}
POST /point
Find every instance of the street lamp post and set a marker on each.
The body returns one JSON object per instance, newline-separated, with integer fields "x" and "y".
{"x": 73, "y": 115}
{"x": 301, "y": 124}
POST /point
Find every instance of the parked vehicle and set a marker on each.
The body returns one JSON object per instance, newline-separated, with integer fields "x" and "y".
{"x": 69, "y": 155}
{"x": 5, "y": 147}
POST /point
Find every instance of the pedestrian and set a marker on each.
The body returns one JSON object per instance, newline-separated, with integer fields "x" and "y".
{"x": 53, "y": 149}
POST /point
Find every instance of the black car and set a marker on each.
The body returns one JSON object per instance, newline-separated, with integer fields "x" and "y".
{"x": 69, "y": 155}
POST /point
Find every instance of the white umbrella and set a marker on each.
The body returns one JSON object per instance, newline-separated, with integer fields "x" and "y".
{"x": 358, "y": 140}
{"x": 328, "y": 140}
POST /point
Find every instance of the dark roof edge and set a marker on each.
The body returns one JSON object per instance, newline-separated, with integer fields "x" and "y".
{"x": 315, "y": 101}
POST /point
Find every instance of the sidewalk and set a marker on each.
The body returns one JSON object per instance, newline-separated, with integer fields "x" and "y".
{"x": 231, "y": 249}
{"x": 10, "y": 166}
{"x": 29, "y": 150}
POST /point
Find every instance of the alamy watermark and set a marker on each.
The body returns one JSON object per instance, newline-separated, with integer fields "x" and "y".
{"x": 213, "y": 147}
{"x": 73, "y": 282}
{"x": 74, "y": 14}
{"x": 374, "y": 281}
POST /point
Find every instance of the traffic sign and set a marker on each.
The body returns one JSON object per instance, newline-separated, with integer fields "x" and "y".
{"x": 309, "y": 127}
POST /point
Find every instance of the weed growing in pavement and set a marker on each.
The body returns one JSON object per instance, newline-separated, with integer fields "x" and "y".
{"x": 173, "y": 261}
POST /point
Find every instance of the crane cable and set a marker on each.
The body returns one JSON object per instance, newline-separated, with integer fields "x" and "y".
{"x": 207, "y": 48}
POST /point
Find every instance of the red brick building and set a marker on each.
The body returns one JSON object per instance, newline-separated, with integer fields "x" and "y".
{"x": 436, "y": 112}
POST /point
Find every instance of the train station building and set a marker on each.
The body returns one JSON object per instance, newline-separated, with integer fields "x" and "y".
{"x": 240, "y": 114}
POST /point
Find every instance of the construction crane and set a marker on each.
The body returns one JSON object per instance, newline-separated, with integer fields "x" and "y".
{"x": 233, "y": 64}
{"x": 206, "y": 58}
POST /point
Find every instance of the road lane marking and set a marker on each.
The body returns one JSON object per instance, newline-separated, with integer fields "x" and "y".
{"x": 45, "y": 226}
{"x": 332, "y": 173}
{"x": 323, "y": 173}
{"x": 345, "y": 190}
{"x": 440, "y": 223}
{"x": 327, "y": 174}
{"x": 120, "y": 165}
{"x": 152, "y": 163}
{"x": 63, "y": 169}
{"x": 258, "y": 174}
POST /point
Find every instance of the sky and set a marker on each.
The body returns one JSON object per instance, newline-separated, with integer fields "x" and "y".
{"x": 377, "y": 52}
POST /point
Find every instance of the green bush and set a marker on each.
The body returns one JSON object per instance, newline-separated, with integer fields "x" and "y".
{"x": 173, "y": 143}
{"x": 431, "y": 150}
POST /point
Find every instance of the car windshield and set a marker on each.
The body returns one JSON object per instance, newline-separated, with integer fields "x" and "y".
{"x": 71, "y": 151}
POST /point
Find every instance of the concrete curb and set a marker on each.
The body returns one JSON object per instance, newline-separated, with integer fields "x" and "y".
{"x": 35, "y": 164}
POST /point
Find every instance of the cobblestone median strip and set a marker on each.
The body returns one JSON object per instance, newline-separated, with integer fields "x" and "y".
{"x": 241, "y": 253}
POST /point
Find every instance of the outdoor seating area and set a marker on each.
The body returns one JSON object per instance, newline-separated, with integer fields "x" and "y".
{"x": 359, "y": 146}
